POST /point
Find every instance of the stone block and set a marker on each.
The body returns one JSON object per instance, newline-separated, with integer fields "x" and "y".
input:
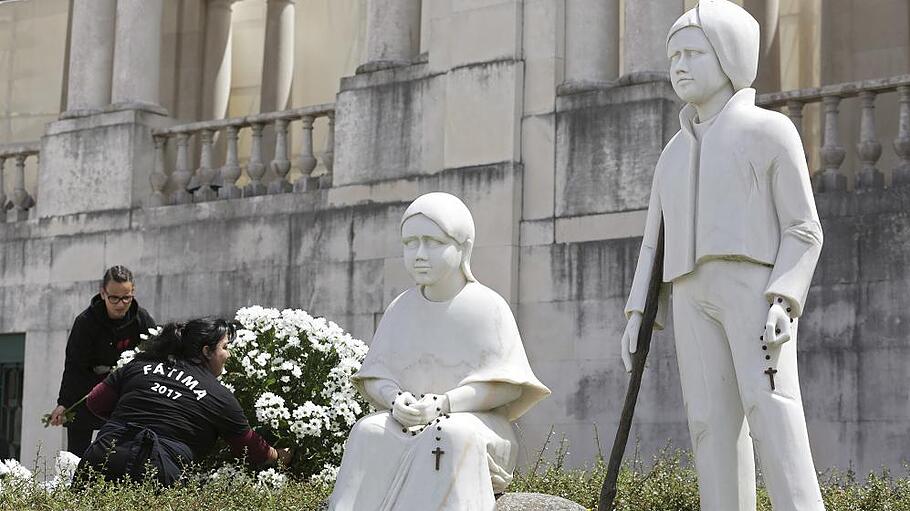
{"x": 44, "y": 349}
{"x": 542, "y": 76}
{"x": 325, "y": 235}
{"x": 127, "y": 248}
{"x": 388, "y": 126}
{"x": 882, "y": 321}
{"x": 497, "y": 268}
{"x": 201, "y": 292}
{"x": 830, "y": 377}
{"x": 599, "y": 324}
{"x": 77, "y": 258}
{"x": 377, "y": 232}
{"x": 396, "y": 280}
{"x": 538, "y": 153}
{"x": 829, "y": 320}
{"x": 608, "y": 226}
{"x": 486, "y": 33}
{"x": 537, "y": 232}
{"x": 882, "y": 444}
{"x": 607, "y": 145}
{"x": 823, "y": 434}
{"x": 96, "y": 163}
{"x": 483, "y": 108}
{"x": 547, "y": 331}
{"x": 492, "y": 193}
{"x": 880, "y": 400}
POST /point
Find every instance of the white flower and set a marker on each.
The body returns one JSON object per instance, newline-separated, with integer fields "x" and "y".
{"x": 271, "y": 479}
{"x": 125, "y": 358}
{"x": 12, "y": 469}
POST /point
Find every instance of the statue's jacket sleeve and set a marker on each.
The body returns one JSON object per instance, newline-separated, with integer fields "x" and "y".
{"x": 743, "y": 193}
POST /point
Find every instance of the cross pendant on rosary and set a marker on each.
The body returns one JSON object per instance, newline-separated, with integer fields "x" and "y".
{"x": 771, "y": 372}
{"x": 438, "y": 453}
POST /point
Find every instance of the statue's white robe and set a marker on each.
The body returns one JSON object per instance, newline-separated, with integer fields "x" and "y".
{"x": 430, "y": 348}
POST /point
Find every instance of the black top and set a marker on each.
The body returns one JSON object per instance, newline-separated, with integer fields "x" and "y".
{"x": 179, "y": 400}
{"x": 95, "y": 343}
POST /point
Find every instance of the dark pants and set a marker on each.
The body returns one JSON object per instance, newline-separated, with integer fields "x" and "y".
{"x": 127, "y": 450}
{"x": 78, "y": 440}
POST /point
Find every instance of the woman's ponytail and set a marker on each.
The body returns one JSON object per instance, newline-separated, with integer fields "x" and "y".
{"x": 164, "y": 345}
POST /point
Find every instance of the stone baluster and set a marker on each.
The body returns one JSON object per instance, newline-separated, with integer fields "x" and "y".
{"x": 280, "y": 165}
{"x": 182, "y": 174}
{"x": 833, "y": 152}
{"x": 230, "y": 172}
{"x": 307, "y": 161}
{"x": 328, "y": 156}
{"x": 158, "y": 177}
{"x": 795, "y": 113}
{"x": 869, "y": 148}
{"x": 4, "y": 204}
{"x": 901, "y": 175}
{"x": 255, "y": 168}
{"x": 21, "y": 198}
{"x": 202, "y": 181}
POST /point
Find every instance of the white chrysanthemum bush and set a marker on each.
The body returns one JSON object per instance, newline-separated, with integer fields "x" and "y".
{"x": 292, "y": 373}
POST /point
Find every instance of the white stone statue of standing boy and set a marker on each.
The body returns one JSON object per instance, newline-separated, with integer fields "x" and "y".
{"x": 448, "y": 372}
{"x": 742, "y": 238}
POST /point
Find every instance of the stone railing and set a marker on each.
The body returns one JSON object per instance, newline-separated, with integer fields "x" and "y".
{"x": 868, "y": 148}
{"x": 206, "y": 183}
{"x": 16, "y": 206}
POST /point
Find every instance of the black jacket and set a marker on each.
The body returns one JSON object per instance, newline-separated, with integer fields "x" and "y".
{"x": 95, "y": 343}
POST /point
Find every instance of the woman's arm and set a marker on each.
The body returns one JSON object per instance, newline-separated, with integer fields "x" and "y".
{"x": 382, "y": 391}
{"x": 102, "y": 400}
{"x": 480, "y": 397}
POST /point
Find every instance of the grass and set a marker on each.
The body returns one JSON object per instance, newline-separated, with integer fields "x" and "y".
{"x": 665, "y": 483}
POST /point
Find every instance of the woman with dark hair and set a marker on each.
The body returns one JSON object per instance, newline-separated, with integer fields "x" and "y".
{"x": 110, "y": 325}
{"x": 166, "y": 407}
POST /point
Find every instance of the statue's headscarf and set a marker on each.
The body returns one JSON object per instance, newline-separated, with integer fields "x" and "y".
{"x": 732, "y": 32}
{"x": 453, "y": 217}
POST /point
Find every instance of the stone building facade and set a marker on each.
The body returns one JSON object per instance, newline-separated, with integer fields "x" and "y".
{"x": 262, "y": 152}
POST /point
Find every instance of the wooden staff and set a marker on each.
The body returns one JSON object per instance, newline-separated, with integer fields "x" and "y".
{"x": 608, "y": 491}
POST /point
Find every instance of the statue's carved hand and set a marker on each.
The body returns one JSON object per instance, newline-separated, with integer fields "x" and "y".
{"x": 630, "y": 340}
{"x": 404, "y": 412}
{"x": 778, "y": 324}
{"x": 432, "y": 406}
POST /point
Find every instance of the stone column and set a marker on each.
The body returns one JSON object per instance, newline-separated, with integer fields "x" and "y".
{"x": 91, "y": 57}
{"x": 216, "y": 71}
{"x": 592, "y": 44}
{"x": 767, "y": 13}
{"x": 393, "y": 34}
{"x": 277, "y": 65}
{"x": 278, "y": 60}
{"x": 645, "y": 38}
{"x": 137, "y": 55}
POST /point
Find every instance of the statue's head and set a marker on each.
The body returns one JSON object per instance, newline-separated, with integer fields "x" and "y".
{"x": 437, "y": 234}
{"x": 711, "y": 48}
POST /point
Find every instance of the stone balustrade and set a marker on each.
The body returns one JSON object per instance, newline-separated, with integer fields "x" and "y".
{"x": 16, "y": 206}
{"x": 188, "y": 183}
{"x": 868, "y": 147}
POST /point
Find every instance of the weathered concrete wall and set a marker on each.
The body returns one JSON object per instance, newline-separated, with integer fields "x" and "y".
{"x": 333, "y": 253}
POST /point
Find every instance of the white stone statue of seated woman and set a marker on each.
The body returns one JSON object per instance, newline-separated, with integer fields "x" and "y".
{"x": 448, "y": 372}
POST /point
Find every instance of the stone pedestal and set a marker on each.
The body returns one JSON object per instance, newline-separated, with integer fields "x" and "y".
{"x": 96, "y": 163}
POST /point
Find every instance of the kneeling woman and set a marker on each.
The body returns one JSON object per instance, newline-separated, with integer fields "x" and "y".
{"x": 166, "y": 407}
